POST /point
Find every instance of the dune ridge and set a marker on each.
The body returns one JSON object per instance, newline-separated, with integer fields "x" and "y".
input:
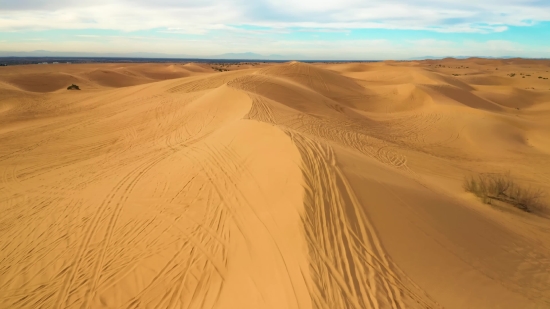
{"x": 272, "y": 186}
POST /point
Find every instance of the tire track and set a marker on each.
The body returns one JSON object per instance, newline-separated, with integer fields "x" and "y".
{"x": 348, "y": 261}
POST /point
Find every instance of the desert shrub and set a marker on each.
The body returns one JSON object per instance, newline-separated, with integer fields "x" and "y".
{"x": 512, "y": 74}
{"x": 503, "y": 188}
{"x": 73, "y": 87}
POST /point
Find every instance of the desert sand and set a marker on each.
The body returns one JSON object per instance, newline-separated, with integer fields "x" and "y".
{"x": 277, "y": 186}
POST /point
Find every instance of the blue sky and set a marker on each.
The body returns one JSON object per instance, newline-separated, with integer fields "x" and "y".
{"x": 308, "y": 29}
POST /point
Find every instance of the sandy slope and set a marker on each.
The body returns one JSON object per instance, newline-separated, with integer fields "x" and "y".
{"x": 284, "y": 186}
{"x": 52, "y": 77}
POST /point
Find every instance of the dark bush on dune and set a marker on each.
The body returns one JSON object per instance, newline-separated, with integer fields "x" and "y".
{"x": 503, "y": 188}
{"x": 73, "y": 87}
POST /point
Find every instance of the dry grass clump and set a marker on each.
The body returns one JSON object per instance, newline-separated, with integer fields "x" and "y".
{"x": 502, "y": 187}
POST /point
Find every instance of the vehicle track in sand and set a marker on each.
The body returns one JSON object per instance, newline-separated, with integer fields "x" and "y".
{"x": 269, "y": 187}
{"x": 347, "y": 134}
{"x": 96, "y": 252}
{"x": 346, "y": 255}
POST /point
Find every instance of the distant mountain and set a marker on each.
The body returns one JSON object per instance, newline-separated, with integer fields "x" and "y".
{"x": 426, "y": 58}
{"x": 46, "y": 53}
{"x": 254, "y": 56}
{"x": 464, "y": 57}
{"x": 439, "y": 58}
{"x": 232, "y": 56}
{"x": 227, "y": 56}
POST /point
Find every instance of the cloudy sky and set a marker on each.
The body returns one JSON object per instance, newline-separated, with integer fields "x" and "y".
{"x": 314, "y": 29}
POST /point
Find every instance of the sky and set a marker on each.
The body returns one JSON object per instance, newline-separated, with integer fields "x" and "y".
{"x": 301, "y": 29}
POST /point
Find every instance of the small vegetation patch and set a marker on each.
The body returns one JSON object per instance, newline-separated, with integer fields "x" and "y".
{"x": 512, "y": 74}
{"x": 73, "y": 87}
{"x": 503, "y": 188}
{"x": 220, "y": 69}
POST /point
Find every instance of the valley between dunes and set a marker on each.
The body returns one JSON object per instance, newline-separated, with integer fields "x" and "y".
{"x": 277, "y": 186}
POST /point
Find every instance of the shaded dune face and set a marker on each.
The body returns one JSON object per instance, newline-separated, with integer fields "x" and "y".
{"x": 42, "y": 82}
{"x": 271, "y": 186}
{"x": 54, "y": 77}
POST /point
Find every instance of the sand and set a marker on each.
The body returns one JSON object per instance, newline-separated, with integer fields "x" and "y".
{"x": 272, "y": 186}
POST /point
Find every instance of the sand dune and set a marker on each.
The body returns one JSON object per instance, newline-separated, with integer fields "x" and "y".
{"x": 272, "y": 186}
{"x": 49, "y": 78}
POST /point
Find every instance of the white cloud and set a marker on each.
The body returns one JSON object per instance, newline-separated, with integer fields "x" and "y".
{"x": 266, "y": 19}
{"x": 199, "y": 17}
{"x": 492, "y": 48}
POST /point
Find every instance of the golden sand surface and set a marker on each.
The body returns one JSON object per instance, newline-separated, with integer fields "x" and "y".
{"x": 276, "y": 186}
